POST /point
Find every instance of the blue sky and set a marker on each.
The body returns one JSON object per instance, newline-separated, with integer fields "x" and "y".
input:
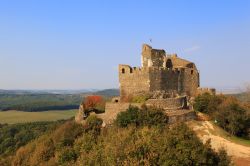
{"x": 69, "y": 44}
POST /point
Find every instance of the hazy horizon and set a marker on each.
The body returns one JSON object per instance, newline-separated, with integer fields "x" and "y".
{"x": 78, "y": 45}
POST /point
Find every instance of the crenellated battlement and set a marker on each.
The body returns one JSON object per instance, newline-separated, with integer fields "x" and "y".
{"x": 126, "y": 69}
{"x": 211, "y": 91}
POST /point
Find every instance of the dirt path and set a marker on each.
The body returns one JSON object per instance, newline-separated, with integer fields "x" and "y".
{"x": 240, "y": 153}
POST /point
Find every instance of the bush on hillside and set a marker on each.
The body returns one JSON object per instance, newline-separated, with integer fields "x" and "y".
{"x": 16, "y": 135}
{"x": 51, "y": 147}
{"x": 132, "y": 145}
{"x": 227, "y": 112}
{"x": 93, "y": 124}
{"x": 233, "y": 118}
{"x": 149, "y": 116}
{"x": 150, "y": 146}
{"x": 207, "y": 103}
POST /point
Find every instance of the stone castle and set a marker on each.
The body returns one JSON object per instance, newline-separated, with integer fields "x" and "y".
{"x": 167, "y": 81}
{"x": 159, "y": 72}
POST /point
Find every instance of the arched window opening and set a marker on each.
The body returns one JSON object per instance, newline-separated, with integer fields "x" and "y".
{"x": 123, "y": 71}
{"x": 131, "y": 70}
{"x": 192, "y": 72}
{"x": 169, "y": 64}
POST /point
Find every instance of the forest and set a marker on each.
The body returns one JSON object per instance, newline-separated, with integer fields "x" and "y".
{"x": 33, "y": 102}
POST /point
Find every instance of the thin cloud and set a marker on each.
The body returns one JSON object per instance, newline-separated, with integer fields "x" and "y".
{"x": 192, "y": 49}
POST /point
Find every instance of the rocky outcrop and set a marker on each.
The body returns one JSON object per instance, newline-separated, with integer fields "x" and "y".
{"x": 79, "y": 117}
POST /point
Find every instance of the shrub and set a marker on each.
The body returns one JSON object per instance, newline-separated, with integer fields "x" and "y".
{"x": 67, "y": 155}
{"x": 206, "y": 103}
{"x": 233, "y": 118}
{"x": 152, "y": 116}
{"x": 177, "y": 145}
{"x": 223, "y": 158}
{"x": 227, "y": 111}
{"x": 140, "y": 117}
{"x": 131, "y": 116}
{"x": 93, "y": 124}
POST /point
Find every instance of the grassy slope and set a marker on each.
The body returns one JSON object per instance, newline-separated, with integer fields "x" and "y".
{"x": 12, "y": 117}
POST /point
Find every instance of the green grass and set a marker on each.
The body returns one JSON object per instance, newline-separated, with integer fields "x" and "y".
{"x": 12, "y": 117}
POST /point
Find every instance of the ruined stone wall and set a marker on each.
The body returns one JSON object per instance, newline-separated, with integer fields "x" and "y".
{"x": 201, "y": 91}
{"x": 146, "y": 55}
{"x": 133, "y": 81}
{"x": 152, "y": 57}
{"x": 112, "y": 110}
{"x": 180, "y": 116}
{"x": 182, "y": 80}
{"x": 190, "y": 81}
{"x": 168, "y": 103}
{"x": 157, "y": 57}
{"x": 164, "y": 79}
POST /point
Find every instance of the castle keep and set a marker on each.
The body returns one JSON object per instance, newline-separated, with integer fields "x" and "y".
{"x": 159, "y": 72}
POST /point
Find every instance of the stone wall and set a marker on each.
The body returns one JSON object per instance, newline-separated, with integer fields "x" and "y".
{"x": 168, "y": 103}
{"x": 133, "y": 81}
{"x": 190, "y": 81}
{"x": 201, "y": 91}
{"x": 180, "y": 116}
{"x": 163, "y": 79}
{"x": 112, "y": 110}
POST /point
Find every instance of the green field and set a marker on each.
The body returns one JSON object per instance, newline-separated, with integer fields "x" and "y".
{"x": 12, "y": 117}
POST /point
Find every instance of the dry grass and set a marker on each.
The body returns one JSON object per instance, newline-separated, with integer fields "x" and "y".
{"x": 12, "y": 117}
{"x": 237, "y": 148}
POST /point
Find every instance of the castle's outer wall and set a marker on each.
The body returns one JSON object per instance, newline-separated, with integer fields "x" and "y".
{"x": 163, "y": 79}
{"x": 113, "y": 109}
{"x": 190, "y": 81}
{"x": 168, "y": 103}
{"x": 180, "y": 116}
{"x": 133, "y": 81}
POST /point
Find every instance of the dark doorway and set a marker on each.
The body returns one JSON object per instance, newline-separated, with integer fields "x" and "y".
{"x": 169, "y": 64}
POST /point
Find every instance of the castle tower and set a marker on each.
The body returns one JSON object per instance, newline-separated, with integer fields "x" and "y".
{"x": 152, "y": 57}
{"x": 146, "y": 56}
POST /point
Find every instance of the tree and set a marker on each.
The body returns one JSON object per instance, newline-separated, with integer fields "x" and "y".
{"x": 207, "y": 103}
{"x": 233, "y": 118}
{"x": 92, "y": 101}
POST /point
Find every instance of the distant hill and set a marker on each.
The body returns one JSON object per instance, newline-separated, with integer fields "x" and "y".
{"x": 244, "y": 97}
{"x": 43, "y": 100}
{"x": 108, "y": 92}
{"x": 47, "y": 91}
